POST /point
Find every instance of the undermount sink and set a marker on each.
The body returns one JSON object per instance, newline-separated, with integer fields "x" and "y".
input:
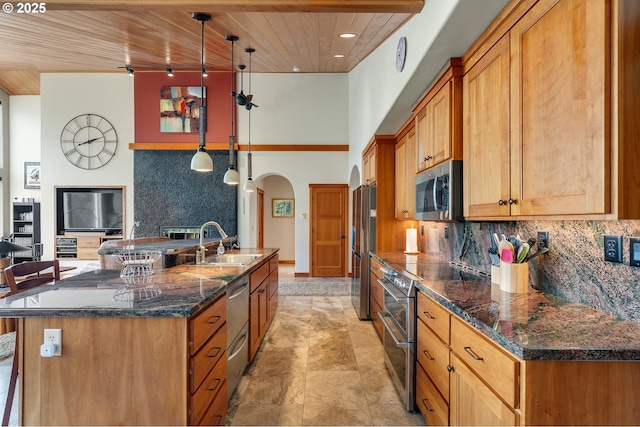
{"x": 231, "y": 259}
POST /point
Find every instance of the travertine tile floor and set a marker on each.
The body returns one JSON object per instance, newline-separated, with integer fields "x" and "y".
{"x": 318, "y": 365}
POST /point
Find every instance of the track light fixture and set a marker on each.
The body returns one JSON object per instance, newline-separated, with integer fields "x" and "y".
{"x": 169, "y": 72}
{"x": 231, "y": 176}
{"x": 129, "y": 70}
{"x": 250, "y": 185}
{"x": 202, "y": 161}
{"x": 204, "y": 72}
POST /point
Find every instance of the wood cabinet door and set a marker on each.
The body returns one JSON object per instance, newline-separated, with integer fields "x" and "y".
{"x": 424, "y": 140}
{"x": 258, "y": 317}
{"x": 472, "y": 403}
{"x": 486, "y": 134}
{"x": 441, "y": 125}
{"x": 560, "y": 111}
{"x": 405, "y": 176}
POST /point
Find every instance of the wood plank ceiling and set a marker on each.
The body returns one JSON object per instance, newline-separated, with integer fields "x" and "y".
{"x": 105, "y": 36}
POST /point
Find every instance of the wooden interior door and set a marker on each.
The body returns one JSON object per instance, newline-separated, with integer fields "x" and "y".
{"x": 329, "y": 213}
{"x": 260, "y": 219}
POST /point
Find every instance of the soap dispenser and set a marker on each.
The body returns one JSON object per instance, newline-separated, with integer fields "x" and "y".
{"x": 221, "y": 249}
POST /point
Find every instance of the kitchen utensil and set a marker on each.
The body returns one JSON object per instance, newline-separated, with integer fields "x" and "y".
{"x": 540, "y": 252}
{"x": 495, "y": 241}
{"x": 504, "y": 244}
{"x": 532, "y": 242}
{"x": 506, "y": 255}
{"x": 493, "y": 254}
{"x": 522, "y": 253}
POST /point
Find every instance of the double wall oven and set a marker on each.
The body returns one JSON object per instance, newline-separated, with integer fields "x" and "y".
{"x": 399, "y": 338}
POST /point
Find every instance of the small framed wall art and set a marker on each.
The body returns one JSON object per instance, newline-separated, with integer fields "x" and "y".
{"x": 32, "y": 175}
{"x": 282, "y": 208}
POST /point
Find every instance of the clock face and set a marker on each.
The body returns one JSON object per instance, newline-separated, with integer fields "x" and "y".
{"x": 401, "y": 53}
{"x": 89, "y": 141}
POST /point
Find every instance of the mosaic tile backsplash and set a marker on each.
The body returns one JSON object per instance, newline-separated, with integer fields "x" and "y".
{"x": 574, "y": 268}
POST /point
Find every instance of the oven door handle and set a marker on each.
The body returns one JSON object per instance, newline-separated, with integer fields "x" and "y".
{"x": 387, "y": 325}
{"x": 391, "y": 290}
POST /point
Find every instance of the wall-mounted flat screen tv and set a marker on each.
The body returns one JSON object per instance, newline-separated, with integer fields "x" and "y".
{"x": 89, "y": 209}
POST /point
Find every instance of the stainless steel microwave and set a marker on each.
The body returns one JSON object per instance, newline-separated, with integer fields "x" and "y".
{"x": 439, "y": 193}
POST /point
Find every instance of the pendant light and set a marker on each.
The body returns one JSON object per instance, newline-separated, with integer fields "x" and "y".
{"x": 231, "y": 176}
{"x": 249, "y": 186}
{"x": 202, "y": 161}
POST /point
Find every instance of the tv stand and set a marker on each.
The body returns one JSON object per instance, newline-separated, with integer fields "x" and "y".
{"x": 81, "y": 245}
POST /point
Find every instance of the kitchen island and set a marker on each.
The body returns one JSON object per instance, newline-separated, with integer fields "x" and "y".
{"x": 134, "y": 350}
{"x": 490, "y": 357}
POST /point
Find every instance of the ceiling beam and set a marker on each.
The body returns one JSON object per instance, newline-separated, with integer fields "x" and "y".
{"x": 334, "y": 6}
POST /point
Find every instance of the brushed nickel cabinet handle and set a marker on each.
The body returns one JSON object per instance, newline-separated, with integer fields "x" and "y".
{"x": 426, "y": 353}
{"x": 214, "y": 384}
{"x": 472, "y": 354}
{"x": 428, "y": 315}
{"x": 213, "y": 320}
{"x": 513, "y": 201}
{"x": 502, "y": 202}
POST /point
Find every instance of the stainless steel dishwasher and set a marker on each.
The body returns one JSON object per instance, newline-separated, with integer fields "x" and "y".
{"x": 237, "y": 330}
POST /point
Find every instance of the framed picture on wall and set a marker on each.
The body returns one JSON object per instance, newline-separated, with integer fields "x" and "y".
{"x": 32, "y": 175}
{"x": 179, "y": 108}
{"x": 282, "y": 208}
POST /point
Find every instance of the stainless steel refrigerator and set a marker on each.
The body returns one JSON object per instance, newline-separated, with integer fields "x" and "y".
{"x": 363, "y": 241}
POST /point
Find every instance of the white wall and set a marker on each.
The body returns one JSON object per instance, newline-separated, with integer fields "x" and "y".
{"x": 295, "y": 109}
{"x": 64, "y": 96}
{"x": 24, "y": 137}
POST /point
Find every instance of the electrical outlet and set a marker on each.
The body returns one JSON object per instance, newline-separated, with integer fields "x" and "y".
{"x": 543, "y": 239}
{"x": 54, "y": 337}
{"x": 634, "y": 251}
{"x": 613, "y": 248}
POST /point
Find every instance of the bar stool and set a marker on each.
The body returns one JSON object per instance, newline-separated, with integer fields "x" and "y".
{"x": 20, "y": 277}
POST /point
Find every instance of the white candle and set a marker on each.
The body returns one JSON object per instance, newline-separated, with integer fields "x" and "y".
{"x": 412, "y": 240}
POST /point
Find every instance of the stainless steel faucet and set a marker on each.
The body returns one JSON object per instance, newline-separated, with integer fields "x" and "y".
{"x": 201, "y": 252}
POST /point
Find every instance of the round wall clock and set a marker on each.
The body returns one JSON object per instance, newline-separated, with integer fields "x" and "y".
{"x": 89, "y": 141}
{"x": 401, "y": 53}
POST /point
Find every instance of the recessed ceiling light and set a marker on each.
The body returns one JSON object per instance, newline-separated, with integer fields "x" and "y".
{"x": 347, "y": 35}
{"x": 296, "y": 69}
{"x": 339, "y": 55}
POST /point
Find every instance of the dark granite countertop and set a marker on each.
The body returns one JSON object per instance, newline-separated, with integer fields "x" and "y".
{"x": 168, "y": 247}
{"x": 532, "y": 326}
{"x": 180, "y": 291}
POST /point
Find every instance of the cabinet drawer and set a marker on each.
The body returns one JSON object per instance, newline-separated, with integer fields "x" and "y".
{"x": 375, "y": 267}
{"x": 433, "y": 407}
{"x": 434, "y": 316}
{"x": 213, "y": 383}
{"x": 205, "y": 359}
{"x": 273, "y": 282}
{"x": 88, "y": 241}
{"x": 374, "y": 309}
{"x": 217, "y": 412}
{"x": 258, "y": 276}
{"x": 376, "y": 291}
{"x": 433, "y": 355}
{"x": 273, "y": 263}
{"x": 87, "y": 253}
{"x": 494, "y": 366}
{"x": 204, "y": 325}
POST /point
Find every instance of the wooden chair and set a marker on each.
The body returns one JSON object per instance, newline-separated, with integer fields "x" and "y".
{"x": 20, "y": 277}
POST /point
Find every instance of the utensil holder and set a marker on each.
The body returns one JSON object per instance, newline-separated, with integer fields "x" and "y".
{"x": 495, "y": 274}
{"x": 514, "y": 278}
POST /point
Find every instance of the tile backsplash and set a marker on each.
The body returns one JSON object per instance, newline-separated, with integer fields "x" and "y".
{"x": 574, "y": 268}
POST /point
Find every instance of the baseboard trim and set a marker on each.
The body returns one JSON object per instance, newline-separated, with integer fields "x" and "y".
{"x": 302, "y": 275}
{"x": 287, "y": 261}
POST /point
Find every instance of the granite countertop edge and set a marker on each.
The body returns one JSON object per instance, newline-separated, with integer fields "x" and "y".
{"x": 476, "y": 314}
{"x": 185, "y": 290}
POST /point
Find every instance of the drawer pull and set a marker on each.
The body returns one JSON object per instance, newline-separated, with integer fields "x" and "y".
{"x": 472, "y": 354}
{"x": 424, "y": 403}
{"x": 214, "y": 352}
{"x": 213, "y": 320}
{"x": 214, "y": 384}
{"x": 429, "y": 316}
{"x": 426, "y": 353}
